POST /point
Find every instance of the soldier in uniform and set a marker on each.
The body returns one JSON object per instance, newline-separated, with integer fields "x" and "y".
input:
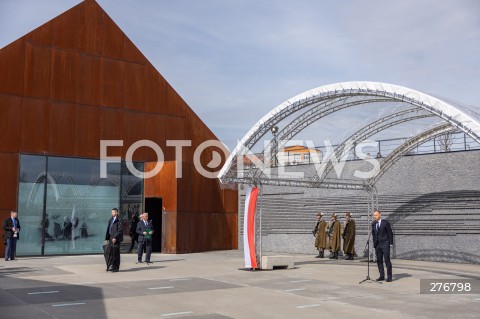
{"x": 349, "y": 237}
{"x": 320, "y": 235}
{"x": 334, "y": 234}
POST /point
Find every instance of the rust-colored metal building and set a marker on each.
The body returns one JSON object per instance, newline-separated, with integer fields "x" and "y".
{"x": 64, "y": 87}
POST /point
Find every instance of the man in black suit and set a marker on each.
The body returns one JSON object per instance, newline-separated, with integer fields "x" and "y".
{"x": 382, "y": 241}
{"x": 145, "y": 232}
{"x": 11, "y": 228}
{"x": 114, "y": 238}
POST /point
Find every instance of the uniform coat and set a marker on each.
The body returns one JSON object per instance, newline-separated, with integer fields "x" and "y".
{"x": 321, "y": 235}
{"x": 335, "y": 239}
{"x": 349, "y": 238}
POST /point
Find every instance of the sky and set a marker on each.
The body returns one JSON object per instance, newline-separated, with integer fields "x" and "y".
{"x": 233, "y": 61}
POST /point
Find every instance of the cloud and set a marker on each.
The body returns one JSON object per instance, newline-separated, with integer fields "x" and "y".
{"x": 233, "y": 61}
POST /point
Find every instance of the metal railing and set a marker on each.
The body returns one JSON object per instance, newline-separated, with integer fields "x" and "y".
{"x": 453, "y": 142}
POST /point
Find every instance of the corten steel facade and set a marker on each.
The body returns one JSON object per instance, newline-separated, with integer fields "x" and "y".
{"x": 77, "y": 80}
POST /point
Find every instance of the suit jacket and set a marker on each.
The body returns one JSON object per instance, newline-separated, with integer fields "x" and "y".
{"x": 7, "y": 228}
{"x": 141, "y": 228}
{"x": 133, "y": 226}
{"x": 117, "y": 230}
{"x": 384, "y": 236}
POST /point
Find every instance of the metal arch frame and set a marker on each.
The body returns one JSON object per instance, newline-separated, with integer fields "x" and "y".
{"x": 308, "y": 118}
{"x": 264, "y": 128}
{"x": 372, "y": 205}
{"x": 455, "y": 115}
{"x": 306, "y": 182}
{"x": 440, "y": 114}
{"x": 370, "y": 130}
{"x": 407, "y": 146}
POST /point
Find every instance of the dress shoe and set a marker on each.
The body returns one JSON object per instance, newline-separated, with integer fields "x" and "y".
{"x": 381, "y": 278}
{"x": 139, "y": 262}
{"x": 148, "y": 261}
{"x": 115, "y": 270}
{"x": 389, "y": 279}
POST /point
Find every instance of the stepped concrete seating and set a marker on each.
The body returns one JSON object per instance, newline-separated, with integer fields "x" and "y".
{"x": 444, "y": 214}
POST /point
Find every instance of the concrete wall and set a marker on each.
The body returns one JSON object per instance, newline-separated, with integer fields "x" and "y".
{"x": 432, "y": 202}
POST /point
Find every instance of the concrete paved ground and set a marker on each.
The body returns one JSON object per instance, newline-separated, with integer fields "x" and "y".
{"x": 215, "y": 285}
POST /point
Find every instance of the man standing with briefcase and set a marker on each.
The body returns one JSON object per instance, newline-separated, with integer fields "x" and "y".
{"x": 113, "y": 239}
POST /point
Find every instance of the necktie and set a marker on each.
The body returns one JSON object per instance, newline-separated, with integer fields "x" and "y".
{"x": 14, "y": 223}
{"x": 113, "y": 221}
{"x": 145, "y": 222}
{"x": 378, "y": 226}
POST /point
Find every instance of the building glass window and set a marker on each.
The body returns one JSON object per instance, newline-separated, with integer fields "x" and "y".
{"x": 71, "y": 216}
{"x": 131, "y": 196}
{"x": 31, "y": 191}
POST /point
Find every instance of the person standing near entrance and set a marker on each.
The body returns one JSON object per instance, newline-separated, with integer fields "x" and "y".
{"x": 145, "y": 232}
{"x": 133, "y": 231}
{"x": 382, "y": 241}
{"x": 114, "y": 238}
{"x": 11, "y": 229}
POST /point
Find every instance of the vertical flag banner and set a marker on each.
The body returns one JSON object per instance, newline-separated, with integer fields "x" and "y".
{"x": 249, "y": 228}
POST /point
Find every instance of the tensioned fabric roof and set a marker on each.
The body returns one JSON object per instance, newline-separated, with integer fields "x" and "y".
{"x": 460, "y": 117}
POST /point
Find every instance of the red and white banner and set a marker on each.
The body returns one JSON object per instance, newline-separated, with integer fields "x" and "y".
{"x": 249, "y": 228}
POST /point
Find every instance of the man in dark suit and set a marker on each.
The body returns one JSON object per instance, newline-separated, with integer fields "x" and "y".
{"x": 11, "y": 229}
{"x": 133, "y": 231}
{"x": 382, "y": 241}
{"x": 145, "y": 232}
{"x": 114, "y": 237}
